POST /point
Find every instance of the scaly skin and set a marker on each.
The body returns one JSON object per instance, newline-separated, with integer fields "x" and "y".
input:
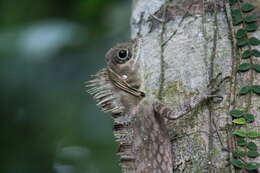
{"x": 139, "y": 128}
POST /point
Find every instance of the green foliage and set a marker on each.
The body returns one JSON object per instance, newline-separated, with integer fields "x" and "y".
{"x": 241, "y": 33}
{"x": 232, "y": 2}
{"x": 256, "y": 89}
{"x": 241, "y": 142}
{"x": 252, "y": 153}
{"x": 242, "y": 42}
{"x": 251, "y": 146}
{"x": 256, "y": 67}
{"x": 239, "y": 153}
{"x": 244, "y": 67}
{"x": 251, "y": 27}
{"x": 239, "y": 121}
{"x": 246, "y": 54}
{"x": 236, "y": 17}
{"x": 245, "y": 90}
{"x": 248, "y": 25}
{"x": 247, "y": 7}
{"x": 237, "y": 163}
{"x": 236, "y": 113}
{"x": 255, "y": 52}
{"x": 253, "y": 134}
{"x": 249, "y": 118}
{"x": 251, "y": 166}
{"x": 254, "y": 41}
{"x": 240, "y": 133}
{"x": 250, "y": 19}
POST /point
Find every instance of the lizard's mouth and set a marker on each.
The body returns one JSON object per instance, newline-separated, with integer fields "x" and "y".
{"x": 119, "y": 82}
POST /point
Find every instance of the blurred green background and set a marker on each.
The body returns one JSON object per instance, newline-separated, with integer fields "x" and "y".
{"x": 48, "y": 48}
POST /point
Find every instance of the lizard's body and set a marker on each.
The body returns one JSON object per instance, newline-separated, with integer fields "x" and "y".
{"x": 144, "y": 144}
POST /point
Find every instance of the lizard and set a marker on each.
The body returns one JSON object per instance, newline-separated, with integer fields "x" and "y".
{"x": 139, "y": 119}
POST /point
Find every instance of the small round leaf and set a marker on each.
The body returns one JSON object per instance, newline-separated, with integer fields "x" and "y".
{"x": 236, "y": 17}
{"x": 249, "y": 118}
{"x": 251, "y": 166}
{"x": 241, "y": 33}
{"x": 239, "y": 153}
{"x": 256, "y": 89}
{"x": 240, "y": 133}
{"x": 254, "y": 41}
{"x": 251, "y": 27}
{"x": 246, "y": 54}
{"x": 253, "y": 134}
{"x": 255, "y": 52}
{"x": 236, "y": 113}
{"x": 251, "y": 146}
{"x": 247, "y": 7}
{"x": 245, "y": 90}
{"x": 232, "y": 2}
{"x": 239, "y": 121}
{"x": 237, "y": 163}
{"x": 241, "y": 142}
{"x": 256, "y": 67}
{"x": 252, "y": 153}
{"x": 250, "y": 19}
{"x": 242, "y": 42}
{"x": 244, "y": 67}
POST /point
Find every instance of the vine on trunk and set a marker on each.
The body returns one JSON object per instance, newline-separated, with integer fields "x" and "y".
{"x": 241, "y": 17}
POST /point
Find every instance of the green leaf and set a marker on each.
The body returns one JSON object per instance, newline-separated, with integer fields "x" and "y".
{"x": 245, "y": 90}
{"x": 244, "y": 67}
{"x": 239, "y": 153}
{"x": 237, "y": 163}
{"x": 240, "y": 133}
{"x": 247, "y": 7}
{"x": 236, "y": 113}
{"x": 246, "y": 54}
{"x": 249, "y": 118}
{"x": 241, "y": 33}
{"x": 236, "y": 17}
{"x": 251, "y": 166}
{"x": 254, "y": 41}
{"x": 232, "y": 2}
{"x": 239, "y": 121}
{"x": 255, "y": 52}
{"x": 253, "y": 134}
{"x": 256, "y": 89}
{"x": 250, "y": 19}
{"x": 242, "y": 42}
{"x": 251, "y": 27}
{"x": 251, "y": 146}
{"x": 256, "y": 67}
{"x": 252, "y": 153}
{"x": 241, "y": 142}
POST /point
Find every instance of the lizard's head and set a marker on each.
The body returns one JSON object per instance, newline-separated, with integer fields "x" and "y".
{"x": 122, "y": 74}
{"x": 124, "y": 67}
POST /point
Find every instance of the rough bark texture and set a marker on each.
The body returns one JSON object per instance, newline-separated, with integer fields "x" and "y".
{"x": 186, "y": 44}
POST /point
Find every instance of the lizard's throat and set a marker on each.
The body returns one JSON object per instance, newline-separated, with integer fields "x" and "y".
{"x": 119, "y": 82}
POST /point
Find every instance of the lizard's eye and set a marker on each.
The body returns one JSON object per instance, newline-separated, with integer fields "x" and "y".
{"x": 123, "y": 54}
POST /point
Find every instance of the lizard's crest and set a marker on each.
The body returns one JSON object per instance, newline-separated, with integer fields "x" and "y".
{"x": 122, "y": 74}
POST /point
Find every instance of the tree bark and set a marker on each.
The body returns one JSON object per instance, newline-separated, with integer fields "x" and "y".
{"x": 186, "y": 44}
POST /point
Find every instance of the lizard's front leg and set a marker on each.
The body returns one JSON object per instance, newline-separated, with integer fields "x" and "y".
{"x": 189, "y": 105}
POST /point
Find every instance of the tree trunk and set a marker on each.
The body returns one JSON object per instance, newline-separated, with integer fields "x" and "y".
{"x": 187, "y": 43}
